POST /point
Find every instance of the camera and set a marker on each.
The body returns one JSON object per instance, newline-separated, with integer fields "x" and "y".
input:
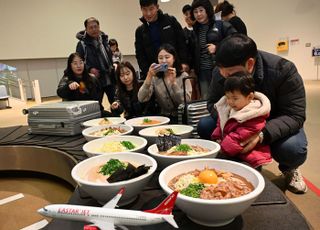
{"x": 163, "y": 67}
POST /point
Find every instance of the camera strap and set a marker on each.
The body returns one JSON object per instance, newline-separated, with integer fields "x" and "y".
{"x": 174, "y": 104}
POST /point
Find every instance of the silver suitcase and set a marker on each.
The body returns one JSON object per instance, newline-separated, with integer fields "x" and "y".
{"x": 61, "y": 118}
{"x": 189, "y": 113}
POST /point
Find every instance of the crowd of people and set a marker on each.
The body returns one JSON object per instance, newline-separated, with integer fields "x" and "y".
{"x": 256, "y": 100}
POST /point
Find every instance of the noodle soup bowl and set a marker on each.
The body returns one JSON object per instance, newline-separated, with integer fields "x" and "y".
{"x": 95, "y": 132}
{"x": 103, "y": 121}
{"x": 104, "y": 191}
{"x": 213, "y": 212}
{"x": 139, "y": 123}
{"x": 152, "y": 133}
{"x": 166, "y": 160}
{"x": 108, "y": 145}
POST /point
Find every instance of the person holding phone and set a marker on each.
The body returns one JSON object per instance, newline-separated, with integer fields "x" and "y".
{"x": 165, "y": 81}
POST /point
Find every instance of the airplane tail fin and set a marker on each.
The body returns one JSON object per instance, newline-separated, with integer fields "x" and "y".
{"x": 170, "y": 220}
{"x": 166, "y": 206}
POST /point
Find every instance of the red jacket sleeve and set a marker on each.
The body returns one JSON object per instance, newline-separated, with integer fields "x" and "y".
{"x": 242, "y": 131}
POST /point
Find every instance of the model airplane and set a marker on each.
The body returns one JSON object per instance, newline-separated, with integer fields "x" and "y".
{"x": 106, "y": 217}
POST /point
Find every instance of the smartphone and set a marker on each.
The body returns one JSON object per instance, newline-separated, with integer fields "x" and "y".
{"x": 163, "y": 67}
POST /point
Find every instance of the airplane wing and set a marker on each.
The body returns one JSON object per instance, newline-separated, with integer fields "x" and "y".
{"x": 103, "y": 225}
{"x": 113, "y": 202}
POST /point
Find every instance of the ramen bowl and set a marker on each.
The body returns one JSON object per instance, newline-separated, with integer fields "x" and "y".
{"x": 114, "y": 144}
{"x": 213, "y": 212}
{"x": 166, "y": 160}
{"x": 96, "y": 132}
{"x": 103, "y": 121}
{"x": 139, "y": 123}
{"x": 104, "y": 191}
{"x": 152, "y": 133}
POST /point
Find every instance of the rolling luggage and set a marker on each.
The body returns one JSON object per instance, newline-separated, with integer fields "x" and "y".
{"x": 61, "y": 118}
{"x": 189, "y": 113}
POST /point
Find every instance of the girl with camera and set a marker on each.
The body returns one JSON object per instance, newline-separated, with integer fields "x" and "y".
{"x": 165, "y": 81}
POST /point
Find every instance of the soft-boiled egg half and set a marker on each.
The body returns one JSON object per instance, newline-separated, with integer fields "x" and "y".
{"x": 208, "y": 176}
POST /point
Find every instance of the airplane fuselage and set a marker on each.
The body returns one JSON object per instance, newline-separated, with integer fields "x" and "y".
{"x": 91, "y": 214}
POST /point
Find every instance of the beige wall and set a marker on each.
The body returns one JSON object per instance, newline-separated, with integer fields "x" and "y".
{"x": 37, "y": 35}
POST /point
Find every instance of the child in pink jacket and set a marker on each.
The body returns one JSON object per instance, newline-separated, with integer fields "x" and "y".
{"x": 242, "y": 113}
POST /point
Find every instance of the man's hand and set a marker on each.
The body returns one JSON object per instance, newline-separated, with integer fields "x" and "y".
{"x": 250, "y": 143}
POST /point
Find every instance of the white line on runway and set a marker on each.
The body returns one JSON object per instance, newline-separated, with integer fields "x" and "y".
{"x": 11, "y": 198}
{"x": 36, "y": 226}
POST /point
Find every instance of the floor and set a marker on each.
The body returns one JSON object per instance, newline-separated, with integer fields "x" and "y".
{"x": 41, "y": 191}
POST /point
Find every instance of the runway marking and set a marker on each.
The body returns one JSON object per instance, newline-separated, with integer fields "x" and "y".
{"x": 312, "y": 187}
{"x": 36, "y": 226}
{"x": 11, "y": 198}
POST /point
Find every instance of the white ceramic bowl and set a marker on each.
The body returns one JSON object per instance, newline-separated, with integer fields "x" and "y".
{"x": 103, "y": 192}
{"x": 95, "y": 122}
{"x": 164, "y": 161}
{"x": 136, "y": 123}
{"x": 151, "y": 133}
{"x": 87, "y": 133}
{"x": 213, "y": 212}
{"x": 92, "y": 148}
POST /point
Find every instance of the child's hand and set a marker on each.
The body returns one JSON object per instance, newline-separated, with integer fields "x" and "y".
{"x": 115, "y": 105}
{"x": 95, "y": 72}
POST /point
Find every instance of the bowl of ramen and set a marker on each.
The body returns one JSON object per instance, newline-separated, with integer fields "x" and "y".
{"x": 186, "y": 149}
{"x": 93, "y": 175}
{"x": 114, "y": 144}
{"x": 103, "y": 121}
{"x": 223, "y": 188}
{"x": 139, "y": 123}
{"x": 95, "y": 132}
{"x": 152, "y": 133}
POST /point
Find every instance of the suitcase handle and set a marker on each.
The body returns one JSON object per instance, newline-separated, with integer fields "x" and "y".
{"x": 184, "y": 88}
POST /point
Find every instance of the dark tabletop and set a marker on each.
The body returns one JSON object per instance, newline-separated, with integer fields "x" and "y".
{"x": 272, "y": 209}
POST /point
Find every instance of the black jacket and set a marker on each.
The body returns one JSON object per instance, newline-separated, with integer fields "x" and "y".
{"x": 93, "y": 90}
{"x": 280, "y": 81}
{"x": 171, "y": 32}
{"x": 91, "y": 55}
{"x": 217, "y": 31}
{"x": 238, "y": 24}
{"x": 130, "y": 105}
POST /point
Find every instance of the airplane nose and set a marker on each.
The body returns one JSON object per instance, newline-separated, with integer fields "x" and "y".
{"x": 41, "y": 211}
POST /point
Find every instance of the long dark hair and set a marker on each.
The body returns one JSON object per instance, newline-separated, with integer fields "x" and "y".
{"x": 69, "y": 73}
{"x": 121, "y": 87}
{"x": 177, "y": 64}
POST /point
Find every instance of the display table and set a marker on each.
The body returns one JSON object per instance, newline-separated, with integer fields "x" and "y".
{"x": 272, "y": 209}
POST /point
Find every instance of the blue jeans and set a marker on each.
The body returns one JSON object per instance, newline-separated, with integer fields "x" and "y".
{"x": 289, "y": 152}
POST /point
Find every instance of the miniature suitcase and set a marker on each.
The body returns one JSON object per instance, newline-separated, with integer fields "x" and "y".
{"x": 189, "y": 113}
{"x": 61, "y": 118}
